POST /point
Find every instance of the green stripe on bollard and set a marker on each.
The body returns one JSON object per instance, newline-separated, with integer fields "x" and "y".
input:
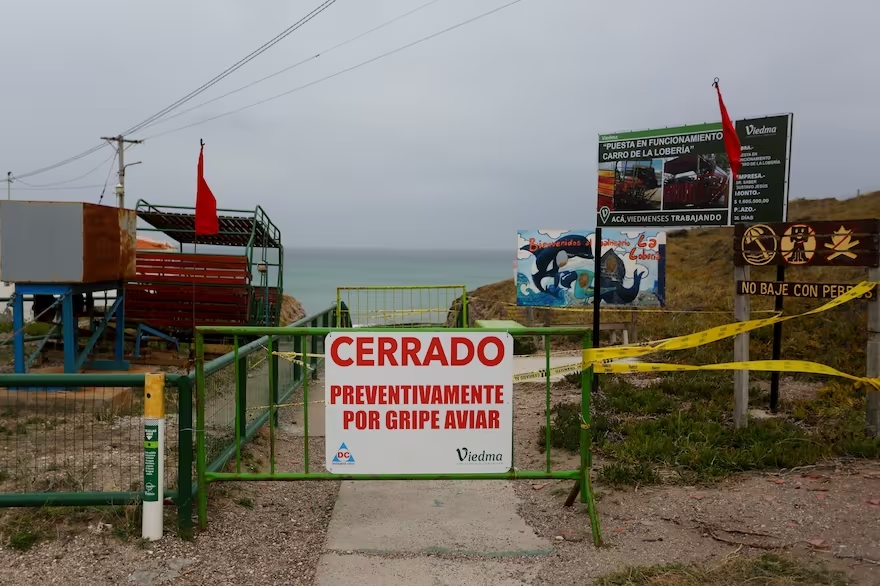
{"x": 151, "y": 462}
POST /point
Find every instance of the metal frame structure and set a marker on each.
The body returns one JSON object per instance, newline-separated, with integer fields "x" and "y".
{"x": 206, "y": 473}
{"x": 74, "y": 360}
{"x": 251, "y": 230}
{"x": 382, "y": 304}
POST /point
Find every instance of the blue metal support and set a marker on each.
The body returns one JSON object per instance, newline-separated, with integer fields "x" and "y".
{"x": 143, "y": 329}
{"x": 39, "y": 347}
{"x": 18, "y": 331}
{"x": 96, "y": 335}
{"x": 119, "y": 347}
{"x": 74, "y": 360}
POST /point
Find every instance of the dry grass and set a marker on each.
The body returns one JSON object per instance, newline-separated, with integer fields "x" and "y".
{"x": 700, "y": 278}
{"x": 766, "y": 570}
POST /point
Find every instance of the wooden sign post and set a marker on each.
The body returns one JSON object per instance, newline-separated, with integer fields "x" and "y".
{"x": 852, "y": 243}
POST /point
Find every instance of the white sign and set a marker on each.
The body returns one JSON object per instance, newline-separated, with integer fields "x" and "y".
{"x": 419, "y": 403}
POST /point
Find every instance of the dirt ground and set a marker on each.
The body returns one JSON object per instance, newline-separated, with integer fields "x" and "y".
{"x": 266, "y": 533}
{"x": 828, "y": 513}
{"x": 273, "y": 533}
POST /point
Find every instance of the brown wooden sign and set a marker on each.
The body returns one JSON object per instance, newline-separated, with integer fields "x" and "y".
{"x": 803, "y": 290}
{"x": 852, "y": 243}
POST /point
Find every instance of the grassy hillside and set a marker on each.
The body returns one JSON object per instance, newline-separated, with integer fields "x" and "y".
{"x": 700, "y": 279}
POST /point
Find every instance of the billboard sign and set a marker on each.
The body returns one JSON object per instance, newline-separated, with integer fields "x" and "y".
{"x": 681, "y": 176}
{"x": 556, "y": 268}
{"x": 419, "y": 403}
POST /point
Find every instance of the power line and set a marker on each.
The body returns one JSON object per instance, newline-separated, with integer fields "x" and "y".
{"x": 110, "y": 172}
{"x": 326, "y": 4}
{"x": 294, "y": 66}
{"x": 94, "y": 149}
{"x": 338, "y": 73}
{"x": 83, "y": 176}
{"x": 266, "y": 46}
{"x": 72, "y": 187}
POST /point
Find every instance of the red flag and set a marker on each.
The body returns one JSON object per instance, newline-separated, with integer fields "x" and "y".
{"x": 731, "y": 140}
{"x": 206, "y": 206}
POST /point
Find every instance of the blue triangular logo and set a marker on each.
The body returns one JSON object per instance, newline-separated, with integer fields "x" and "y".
{"x": 343, "y": 456}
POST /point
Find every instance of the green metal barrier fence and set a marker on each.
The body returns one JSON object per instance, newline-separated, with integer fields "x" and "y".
{"x": 239, "y": 385}
{"x": 77, "y": 440}
{"x": 305, "y": 342}
{"x": 409, "y": 306}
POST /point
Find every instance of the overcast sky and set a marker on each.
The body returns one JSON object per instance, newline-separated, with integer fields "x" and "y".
{"x": 456, "y": 142}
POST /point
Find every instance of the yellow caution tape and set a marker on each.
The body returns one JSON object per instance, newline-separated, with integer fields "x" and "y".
{"x": 760, "y": 365}
{"x": 717, "y": 333}
{"x": 542, "y": 373}
{"x": 280, "y": 405}
{"x": 801, "y": 366}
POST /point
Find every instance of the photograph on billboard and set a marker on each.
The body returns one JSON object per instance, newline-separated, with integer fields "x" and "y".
{"x": 556, "y": 268}
{"x": 681, "y": 176}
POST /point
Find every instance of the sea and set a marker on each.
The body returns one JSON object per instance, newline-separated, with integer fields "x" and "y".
{"x": 312, "y": 275}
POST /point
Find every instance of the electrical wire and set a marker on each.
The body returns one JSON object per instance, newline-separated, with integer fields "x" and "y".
{"x": 291, "y": 67}
{"x": 326, "y": 4}
{"x": 266, "y": 46}
{"x": 338, "y": 73}
{"x": 72, "y": 187}
{"x": 110, "y": 172}
{"x": 61, "y": 163}
{"x": 83, "y": 176}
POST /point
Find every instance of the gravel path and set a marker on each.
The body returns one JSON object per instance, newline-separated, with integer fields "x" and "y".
{"x": 274, "y": 533}
{"x": 270, "y": 533}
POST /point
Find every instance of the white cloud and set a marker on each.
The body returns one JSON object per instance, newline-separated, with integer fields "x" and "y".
{"x": 553, "y": 233}
{"x": 520, "y": 242}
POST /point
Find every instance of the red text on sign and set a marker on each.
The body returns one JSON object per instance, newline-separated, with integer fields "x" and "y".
{"x": 410, "y": 351}
{"x": 421, "y": 419}
{"x": 416, "y": 394}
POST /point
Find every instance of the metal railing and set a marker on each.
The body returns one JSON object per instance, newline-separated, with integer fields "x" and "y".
{"x": 239, "y": 386}
{"x": 300, "y": 344}
{"x": 402, "y": 306}
{"x": 77, "y": 440}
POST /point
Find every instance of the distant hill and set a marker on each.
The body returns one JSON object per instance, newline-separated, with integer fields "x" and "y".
{"x": 699, "y": 277}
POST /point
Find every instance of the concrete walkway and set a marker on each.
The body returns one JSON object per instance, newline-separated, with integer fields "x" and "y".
{"x": 390, "y": 533}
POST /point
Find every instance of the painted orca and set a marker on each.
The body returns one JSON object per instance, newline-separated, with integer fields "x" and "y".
{"x": 549, "y": 261}
{"x": 625, "y": 294}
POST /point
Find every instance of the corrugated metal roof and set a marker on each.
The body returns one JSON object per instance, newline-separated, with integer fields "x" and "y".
{"x": 234, "y": 230}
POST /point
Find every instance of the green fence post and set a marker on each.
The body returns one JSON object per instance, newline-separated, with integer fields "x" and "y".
{"x": 325, "y": 323}
{"x": 185, "y": 457}
{"x": 273, "y": 394}
{"x": 297, "y": 363}
{"x": 586, "y": 449}
{"x": 241, "y": 378}
{"x": 273, "y": 376}
{"x": 547, "y": 408}
{"x": 201, "y": 457}
{"x": 464, "y": 309}
{"x": 313, "y": 350}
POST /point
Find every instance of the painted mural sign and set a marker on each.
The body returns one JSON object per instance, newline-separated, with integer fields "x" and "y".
{"x": 681, "y": 176}
{"x": 556, "y": 268}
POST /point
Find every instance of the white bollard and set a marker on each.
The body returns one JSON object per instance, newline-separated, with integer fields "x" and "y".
{"x": 154, "y": 456}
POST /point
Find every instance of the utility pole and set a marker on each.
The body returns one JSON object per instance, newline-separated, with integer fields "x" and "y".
{"x": 9, "y": 185}
{"x": 120, "y": 153}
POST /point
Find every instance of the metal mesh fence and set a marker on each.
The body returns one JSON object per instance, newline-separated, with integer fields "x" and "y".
{"x": 429, "y": 306}
{"x": 257, "y": 362}
{"x": 87, "y": 439}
